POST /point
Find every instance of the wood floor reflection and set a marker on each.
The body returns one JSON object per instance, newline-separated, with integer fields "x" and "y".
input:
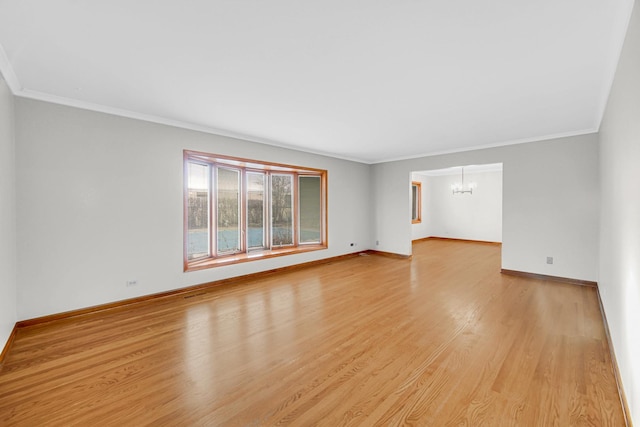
{"x": 442, "y": 339}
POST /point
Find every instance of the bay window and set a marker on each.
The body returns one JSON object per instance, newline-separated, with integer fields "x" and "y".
{"x": 239, "y": 210}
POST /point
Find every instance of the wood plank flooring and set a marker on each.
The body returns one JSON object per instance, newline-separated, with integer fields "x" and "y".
{"x": 440, "y": 340}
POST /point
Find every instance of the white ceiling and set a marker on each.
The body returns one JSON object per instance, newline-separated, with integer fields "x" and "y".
{"x": 363, "y": 80}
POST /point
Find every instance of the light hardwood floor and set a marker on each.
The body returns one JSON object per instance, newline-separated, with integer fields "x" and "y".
{"x": 442, "y": 339}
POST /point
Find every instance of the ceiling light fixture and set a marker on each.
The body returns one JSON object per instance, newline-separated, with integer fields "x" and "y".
{"x": 460, "y": 188}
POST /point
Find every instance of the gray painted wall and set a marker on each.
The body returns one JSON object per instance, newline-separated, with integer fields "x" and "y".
{"x": 101, "y": 203}
{"x": 550, "y": 203}
{"x": 619, "y": 280}
{"x": 8, "y": 281}
{"x": 111, "y": 191}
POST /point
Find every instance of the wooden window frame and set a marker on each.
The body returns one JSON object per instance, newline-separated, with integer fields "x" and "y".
{"x": 214, "y": 259}
{"x": 418, "y": 203}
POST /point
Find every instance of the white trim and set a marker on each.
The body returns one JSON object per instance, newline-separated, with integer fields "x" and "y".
{"x": 55, "y": 99}
{"x": 494, "y": 145}
{"x": 455, "y": 170}
{"x": 8, "y": 74}
{"x": 613, "y": 62}
{"x": 14, "y": 84}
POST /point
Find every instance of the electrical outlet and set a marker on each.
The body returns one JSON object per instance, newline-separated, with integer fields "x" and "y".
{"x": 549, "y": 260}
{"x": 131, "y": 282}
{"x": 377, "y": 242}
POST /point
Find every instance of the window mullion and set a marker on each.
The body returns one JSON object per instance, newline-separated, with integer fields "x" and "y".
{"x": 263, "y": 208}
{"x": 213, "y": 211}
{"x": 242, "y": 194}
{"x": 269, "y": 211}
{"x": 296, "y": 210}
{"x": 265, "y": 211}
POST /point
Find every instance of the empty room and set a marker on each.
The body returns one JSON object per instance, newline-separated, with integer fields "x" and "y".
{"x": 320, "y": 213}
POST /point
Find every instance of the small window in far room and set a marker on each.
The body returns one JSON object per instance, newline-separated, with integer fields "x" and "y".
{"x": 416, "y": 202}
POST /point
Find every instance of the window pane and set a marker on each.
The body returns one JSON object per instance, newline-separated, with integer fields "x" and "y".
{"x": 198, "y": 211}
{"x": 414, "y": 202}
{"x": 228, "y": 213}
{"x": 255, "y": 210}
{"x": 416, "y": 189}
{"x": 310, "y": 209}
{"x": 281, "y": 210}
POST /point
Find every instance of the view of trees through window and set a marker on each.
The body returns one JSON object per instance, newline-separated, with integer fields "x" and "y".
{"x": 281, "y": 210}
{"x": 255, "y": 209}
{"x": 232, "y": 209}
{"x": 198, "y": 211}
{"x": 228, "y": 215}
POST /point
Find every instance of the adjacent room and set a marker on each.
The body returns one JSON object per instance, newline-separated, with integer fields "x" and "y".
{"x": 319, "y": 213}
{"x": 443, "y": 206}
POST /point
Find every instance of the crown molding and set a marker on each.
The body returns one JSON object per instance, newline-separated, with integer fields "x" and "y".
{"x": 84, "y": 105}
{"x": 16, "y": 88}
{"x": 493, "y": 145}
{"x": 8, "y": 74}
{"x": 45, "y": 97}
{"x": 468, "y": 169}
{"x": 613, "y": 61}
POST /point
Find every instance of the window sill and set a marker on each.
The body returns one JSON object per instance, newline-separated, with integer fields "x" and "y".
{"x": 251, "y": 256}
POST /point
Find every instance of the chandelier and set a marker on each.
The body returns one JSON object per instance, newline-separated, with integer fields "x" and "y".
{"x": 461, "y": 187}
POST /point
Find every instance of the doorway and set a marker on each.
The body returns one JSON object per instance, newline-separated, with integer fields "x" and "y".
{"x": 462, "y": 202}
